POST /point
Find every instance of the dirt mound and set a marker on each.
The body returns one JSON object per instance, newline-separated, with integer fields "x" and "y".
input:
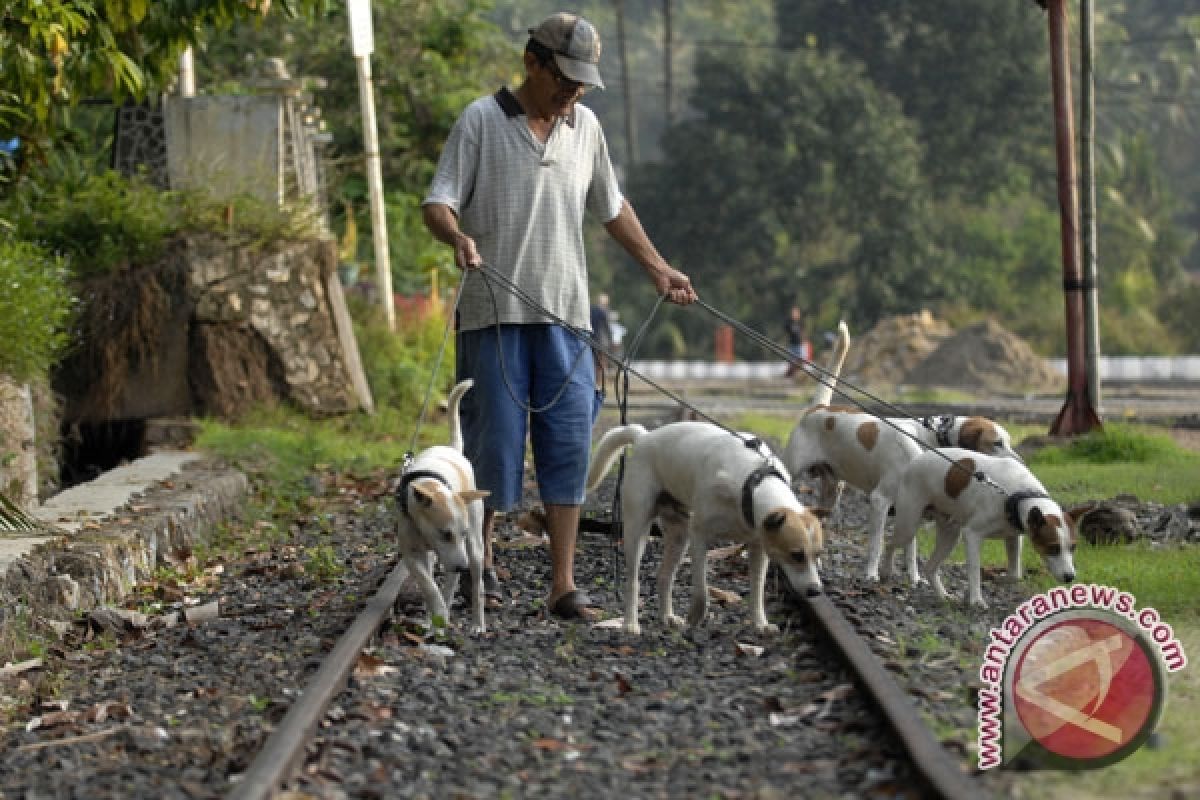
{"x": 890, "y": 350}
{"x": 985, "y": 356}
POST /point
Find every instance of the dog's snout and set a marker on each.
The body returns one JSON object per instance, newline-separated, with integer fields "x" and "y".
{"x": 812, "y": 591}
{"x": 1068, "y": 577}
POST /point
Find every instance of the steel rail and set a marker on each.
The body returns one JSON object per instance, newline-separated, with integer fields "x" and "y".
{"x": 275, "y": 762}
{"x": 934, "y": 766}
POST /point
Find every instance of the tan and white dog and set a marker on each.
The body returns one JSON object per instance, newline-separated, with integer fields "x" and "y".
{"x": 979, "y": 497}
{"x": 839, "y": 444}
{"x": 441, "y": 513}
{"x": 702, "y": 483}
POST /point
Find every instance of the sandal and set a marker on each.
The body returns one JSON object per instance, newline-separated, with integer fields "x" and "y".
{"x": 573, "y": 605}
{"x": 491, "y": 588}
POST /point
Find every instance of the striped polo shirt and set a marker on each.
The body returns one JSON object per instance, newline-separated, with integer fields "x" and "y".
{"x": 523, "y": 202}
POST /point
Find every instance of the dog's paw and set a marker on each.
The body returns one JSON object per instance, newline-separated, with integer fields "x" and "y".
{"x": 977, "y": 603}
{"x": 767, "y": 628}
{"x": 633, "y": 628}
{"x": 873, "y": 577}
{"x": 675, "y": 621}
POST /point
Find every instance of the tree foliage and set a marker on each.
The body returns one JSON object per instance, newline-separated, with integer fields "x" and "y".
{"x": 56, "y": 53}
{"x": 814, "y": 197}
{"x": 971, "y": 73}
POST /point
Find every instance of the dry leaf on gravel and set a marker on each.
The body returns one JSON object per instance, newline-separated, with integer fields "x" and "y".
{"x": 369, "y": 666}
{"x": 723, "y": 596}
{"x": 743, "y": 649}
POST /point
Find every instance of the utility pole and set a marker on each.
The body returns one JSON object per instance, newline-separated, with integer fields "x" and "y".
{"x": 667, "y": 77}
{"x": 1077, "y": 415}
{"x": 1091, "y": 312}
{"x": 187, "y": 74}
{"x": 631, "y": 149}
{"x": 362, "y": 42}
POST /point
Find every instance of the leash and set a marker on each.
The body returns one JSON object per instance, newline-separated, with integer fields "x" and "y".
{"x": 410, "y": 454}
{"x": 939, "y": 425}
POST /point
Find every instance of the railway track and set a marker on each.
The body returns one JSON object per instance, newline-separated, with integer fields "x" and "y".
{"x": 329, "y": 688}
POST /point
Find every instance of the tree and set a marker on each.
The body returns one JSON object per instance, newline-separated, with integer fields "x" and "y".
{"x": 796, "y": 181}
{"x": 56, "y": 53}
{"x": 971, "y": 73}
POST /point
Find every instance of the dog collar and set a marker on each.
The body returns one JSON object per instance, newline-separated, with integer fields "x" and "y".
{"x": 941, "y": 427}
{"x": 1012, "y": 505}
{"x": 409, "y": 477}
{"x": 752, "y": 482}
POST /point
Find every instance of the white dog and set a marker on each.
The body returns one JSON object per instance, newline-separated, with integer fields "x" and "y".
{"x": 441, "y": 512}
{"x": 982, "y": 497}
{"x": 871, "y": 453}
{"x": 701, "y": 483}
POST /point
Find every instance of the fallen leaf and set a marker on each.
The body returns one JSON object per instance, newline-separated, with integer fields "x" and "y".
{"x": 611, "y": 622}
{"x": 744, "y": 649}
{"x": 552, "y": 745}
{"x": 724, "y": 597}
{"x": 369, "y": 666}
{"x": 624, "y": 687}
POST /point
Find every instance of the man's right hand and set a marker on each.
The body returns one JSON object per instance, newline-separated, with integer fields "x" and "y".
{"x": 466, "y": 255}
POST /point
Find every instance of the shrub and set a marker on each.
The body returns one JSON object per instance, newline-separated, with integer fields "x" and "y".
{"x": 399, "y": 364}
{"x": 35, "y": 310}
{"x": 102, "y": 222}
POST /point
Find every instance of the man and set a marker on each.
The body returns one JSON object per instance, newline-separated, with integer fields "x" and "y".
{"x": 514, "y": 179}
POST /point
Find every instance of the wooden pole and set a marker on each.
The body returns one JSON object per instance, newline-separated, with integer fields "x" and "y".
{"x": 668, "y": 78}
{"x": 1076, "y": 415}
{"x": 631, "y": 148}
{"x": 1091, "y": 311}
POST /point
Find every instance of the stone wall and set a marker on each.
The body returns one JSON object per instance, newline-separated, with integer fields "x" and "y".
{"x": 280, "y": 300}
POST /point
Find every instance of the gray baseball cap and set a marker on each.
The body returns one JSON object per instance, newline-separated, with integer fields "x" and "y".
{"x": 575, "y": 44}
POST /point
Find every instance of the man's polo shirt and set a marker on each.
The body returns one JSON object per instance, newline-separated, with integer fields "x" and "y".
{"x": 523, "y": 202}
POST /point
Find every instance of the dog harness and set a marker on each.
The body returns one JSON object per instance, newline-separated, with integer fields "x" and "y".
{"x": 941, "y": 427}
{"x": 752, "y": 481}
{"x": 409, "y": 477}
{"x": 1013, "y": 501}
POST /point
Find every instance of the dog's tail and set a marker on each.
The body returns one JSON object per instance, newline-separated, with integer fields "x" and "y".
{"x": 456, "y": 396}
{"x": 610, "y": 446}
{"x": 824, "y": 394}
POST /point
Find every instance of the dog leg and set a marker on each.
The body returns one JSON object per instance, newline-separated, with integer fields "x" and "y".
{"x": 421, "y": 565}
{"x": 1012, "y": 547}
{"x": 875, "y": 539}
{"x": 758, "y": 581}
{"x": 972, "y": 544}
{"x": 477, "y": 602}
{"x": 674, "y": 541}
{"x": 699, "y": 605}
{"x": 947, "y": 537}
{"x": 635, "y": 545}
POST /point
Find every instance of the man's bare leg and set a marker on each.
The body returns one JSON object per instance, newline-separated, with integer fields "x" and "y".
{"x": 489, "y": 520}
{"x": 562, "y": 523}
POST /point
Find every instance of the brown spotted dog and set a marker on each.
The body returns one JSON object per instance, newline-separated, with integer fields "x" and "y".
{"x": 701, "y": 482}
{"x": 978, "y": 497}
{"x": 840, "y": 444}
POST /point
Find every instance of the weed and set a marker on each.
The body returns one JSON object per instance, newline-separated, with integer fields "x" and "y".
{"x": 322, "y": 563}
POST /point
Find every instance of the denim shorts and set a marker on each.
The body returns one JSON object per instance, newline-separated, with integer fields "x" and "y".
{"x": 536, "y": 381}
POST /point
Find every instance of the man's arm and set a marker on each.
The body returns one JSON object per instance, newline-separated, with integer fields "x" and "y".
{"x": 627, "y": 229}
{"x": 442, "y": 222}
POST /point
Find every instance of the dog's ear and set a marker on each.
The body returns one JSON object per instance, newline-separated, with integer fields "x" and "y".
{"x": 422, "y": 495}
{"x": 471, "y": 495}
{"x": 774, "y": 521}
